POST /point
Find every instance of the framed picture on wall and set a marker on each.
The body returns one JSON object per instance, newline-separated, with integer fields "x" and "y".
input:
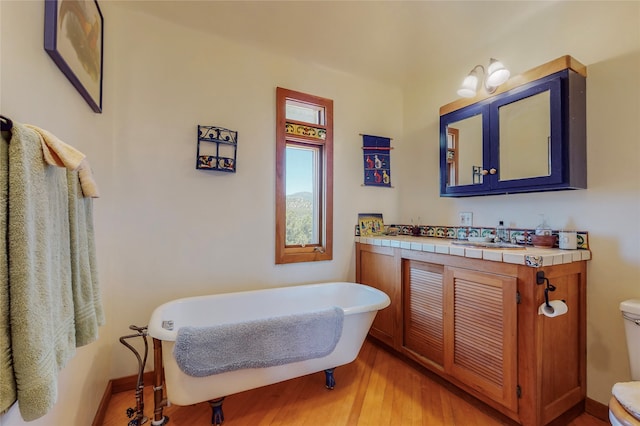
{"x": 73, "y": 37}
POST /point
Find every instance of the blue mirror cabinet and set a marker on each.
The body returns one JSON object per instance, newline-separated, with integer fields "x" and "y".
{"x": 528, "y": 136}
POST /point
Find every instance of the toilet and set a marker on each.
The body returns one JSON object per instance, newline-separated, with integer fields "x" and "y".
{"x": 624, "y": 406}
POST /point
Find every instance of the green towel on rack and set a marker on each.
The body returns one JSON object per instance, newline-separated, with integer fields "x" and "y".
{"x": 88, "y": 313}
{"x": 54, "y": 301}
{"x": 41, "y": 300}
{"x": 7, "y": 381}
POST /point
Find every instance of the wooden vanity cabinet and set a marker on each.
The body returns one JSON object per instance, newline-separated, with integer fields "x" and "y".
{"x": 423, "y": 312}
{"x": 462, "y": 323}
{"x": 379, "y": 267}
{"x": 476, "y": 324}
{"x": 481, "y": 332}
{"x": 552, "y": 352}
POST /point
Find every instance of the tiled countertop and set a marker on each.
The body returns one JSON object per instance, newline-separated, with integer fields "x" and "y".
{"x": 528, "y": 255}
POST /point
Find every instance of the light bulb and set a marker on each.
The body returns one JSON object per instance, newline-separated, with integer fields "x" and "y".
{"x": 497, "y": 73}
{"x": 468, "y": 88}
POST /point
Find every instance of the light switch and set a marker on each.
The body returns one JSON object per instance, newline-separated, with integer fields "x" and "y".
{"x": 465, "y": 218}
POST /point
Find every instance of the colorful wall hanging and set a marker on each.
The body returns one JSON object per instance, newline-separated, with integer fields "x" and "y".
{"x": 376, "y": 153}
{"x": 217, "y": 148}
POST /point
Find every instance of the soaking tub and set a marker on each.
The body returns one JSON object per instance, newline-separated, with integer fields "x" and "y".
{"x": 358, "y": 303}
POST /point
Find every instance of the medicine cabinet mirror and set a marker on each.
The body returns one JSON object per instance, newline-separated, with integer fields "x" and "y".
{"x": 464, "y": 150}
{"x": 527, "y": 137}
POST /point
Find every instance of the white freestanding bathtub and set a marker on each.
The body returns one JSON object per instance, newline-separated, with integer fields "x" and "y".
{"x": 360, "y": 304}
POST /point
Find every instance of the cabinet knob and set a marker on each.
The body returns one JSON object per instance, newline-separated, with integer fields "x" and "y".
{"x": 484, "y": 172}
{"x": 493, "y": 171}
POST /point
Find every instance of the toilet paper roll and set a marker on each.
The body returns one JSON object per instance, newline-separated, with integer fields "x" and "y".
{"x": 559, "y": 308}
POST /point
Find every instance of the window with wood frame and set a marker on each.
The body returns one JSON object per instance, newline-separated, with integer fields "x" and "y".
{"x": 304, "y": 177}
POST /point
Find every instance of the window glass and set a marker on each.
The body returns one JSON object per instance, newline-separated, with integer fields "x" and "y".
{"x": 304, "y": 112}
{"x": 301, "y": 195}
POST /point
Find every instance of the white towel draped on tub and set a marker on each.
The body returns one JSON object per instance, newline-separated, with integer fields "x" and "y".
{"x": 203, "y": 351}
{"x": 49, "y": 299}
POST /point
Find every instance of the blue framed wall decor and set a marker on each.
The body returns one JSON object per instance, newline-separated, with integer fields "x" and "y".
{"x": 217, "y": 148}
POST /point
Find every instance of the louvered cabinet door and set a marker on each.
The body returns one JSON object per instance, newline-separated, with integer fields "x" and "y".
{"x": 423, "y": 310}
{"x": 481, "y": 333}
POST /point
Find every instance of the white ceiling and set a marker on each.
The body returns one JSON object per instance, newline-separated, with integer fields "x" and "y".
{"x": 395, "y": 41}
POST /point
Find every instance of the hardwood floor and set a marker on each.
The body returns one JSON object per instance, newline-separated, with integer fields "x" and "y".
{"x": 377, "y": 389}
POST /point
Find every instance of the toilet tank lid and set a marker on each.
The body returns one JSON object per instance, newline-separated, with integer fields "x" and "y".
{"x": 631, "y": 306}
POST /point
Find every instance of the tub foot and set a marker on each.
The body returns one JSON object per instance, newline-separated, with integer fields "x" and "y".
{"x": 330, "y": 381}
{"x": 217, "y": 416}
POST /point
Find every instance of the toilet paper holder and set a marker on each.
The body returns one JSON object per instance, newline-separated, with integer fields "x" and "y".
{"x": 541, "y": 279}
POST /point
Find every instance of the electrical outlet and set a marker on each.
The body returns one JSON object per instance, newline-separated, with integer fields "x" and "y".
{"x": 465, "y": 218}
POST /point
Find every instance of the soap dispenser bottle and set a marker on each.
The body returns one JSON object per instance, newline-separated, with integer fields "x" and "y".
{"x": 501, "y": 232}
{"x": 543, "y": 228}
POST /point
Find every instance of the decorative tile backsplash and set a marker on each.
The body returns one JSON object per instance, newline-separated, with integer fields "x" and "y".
{"x": 515, "y": 235}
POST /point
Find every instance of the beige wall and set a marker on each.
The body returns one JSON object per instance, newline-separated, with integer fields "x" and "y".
{"x": 165, "y": 229}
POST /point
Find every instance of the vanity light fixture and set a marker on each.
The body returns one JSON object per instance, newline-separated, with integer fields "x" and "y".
{"x": 495, "y": 74}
